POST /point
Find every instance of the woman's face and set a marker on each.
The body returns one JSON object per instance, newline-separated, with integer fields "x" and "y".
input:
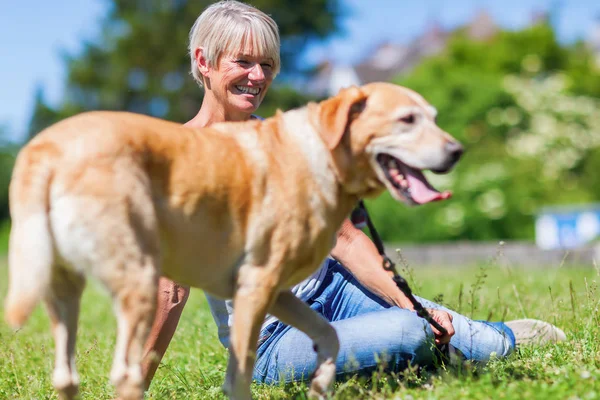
{"x": 240, "y": 81}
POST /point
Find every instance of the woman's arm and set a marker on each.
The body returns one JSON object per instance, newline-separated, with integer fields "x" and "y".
{"x": 357, "y": 253}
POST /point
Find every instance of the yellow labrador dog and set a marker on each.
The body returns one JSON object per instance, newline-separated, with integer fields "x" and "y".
{"x": 241, "y": 210}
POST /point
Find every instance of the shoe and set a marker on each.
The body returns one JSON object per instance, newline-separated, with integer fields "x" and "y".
{"x": 534, "y": 331}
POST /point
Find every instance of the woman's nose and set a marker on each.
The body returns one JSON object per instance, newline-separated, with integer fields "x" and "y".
{"x": 257, "y": 73}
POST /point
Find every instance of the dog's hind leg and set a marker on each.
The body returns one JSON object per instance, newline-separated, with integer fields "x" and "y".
{"x": 254, "y": 293}
{"x": 292, "y": 311}
{"x": 127, "y": 262}
{"x": 134, "y": 302}
{"x": 62, "y": 303}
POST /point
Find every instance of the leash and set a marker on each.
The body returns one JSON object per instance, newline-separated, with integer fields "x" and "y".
{"x": 359, "y": 218}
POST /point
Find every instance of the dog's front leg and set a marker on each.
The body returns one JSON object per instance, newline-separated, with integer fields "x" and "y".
{"x": 255, "y": 291}
{"x": 292, "y": 311}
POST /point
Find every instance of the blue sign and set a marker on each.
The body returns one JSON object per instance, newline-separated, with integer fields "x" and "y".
{"x": 567, "y": 228}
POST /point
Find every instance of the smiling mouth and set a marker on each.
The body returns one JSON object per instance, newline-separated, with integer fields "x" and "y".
{"x": 248, "y": 90}
{"x": 408, "y": 183}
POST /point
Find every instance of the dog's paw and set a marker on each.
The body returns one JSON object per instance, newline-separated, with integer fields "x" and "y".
{"x": 130, "y": 391}
{"x": 65, "y": 383}
{"x": 128, "y": 382}
{"x": 314, "y": 395}
{"x": 322, "y": 380}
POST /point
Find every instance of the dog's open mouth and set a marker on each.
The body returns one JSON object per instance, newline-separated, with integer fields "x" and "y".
{"x": 408, "y": 183}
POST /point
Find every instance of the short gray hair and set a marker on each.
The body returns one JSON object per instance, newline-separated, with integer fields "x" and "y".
{"x": 228, "y": 27}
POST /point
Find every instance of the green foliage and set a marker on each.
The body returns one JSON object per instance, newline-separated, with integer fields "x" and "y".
{"x": 7, "y": 160}
{"x": 505, "y": 52}
{"x": 500, "y": 98}
{"x": 4, "y": 233}
{"x": 42, "y": 115}
{"x": 283, "y": 98}
{"x": 6, "y": 164}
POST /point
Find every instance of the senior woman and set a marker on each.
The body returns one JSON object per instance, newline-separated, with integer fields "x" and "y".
{"x": 234, "y": 51}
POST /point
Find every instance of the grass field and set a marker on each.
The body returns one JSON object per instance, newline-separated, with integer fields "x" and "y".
{"x": 195, "y": 363}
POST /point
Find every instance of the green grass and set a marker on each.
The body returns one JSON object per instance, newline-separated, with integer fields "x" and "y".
{"x": 4, "y": 231}
{"x": 195, "y": 363}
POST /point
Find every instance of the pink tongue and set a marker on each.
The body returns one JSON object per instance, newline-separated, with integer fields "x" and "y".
{"x": 421, "y": 191}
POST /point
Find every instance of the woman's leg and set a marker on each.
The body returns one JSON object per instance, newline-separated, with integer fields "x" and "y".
{"x": 392, "y": 337}
{"x": 370, "y": 330}
{"x": 370, "y": 333}
{"x": 170, "y": 302}
{"x": 345, "y": 298}
{"x": 477, "y": 340}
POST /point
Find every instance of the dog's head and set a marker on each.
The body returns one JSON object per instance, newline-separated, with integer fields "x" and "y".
{"x": 383, "y": 135}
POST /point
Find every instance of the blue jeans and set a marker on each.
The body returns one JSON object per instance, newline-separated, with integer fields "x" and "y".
{"x": 372, "y": 335}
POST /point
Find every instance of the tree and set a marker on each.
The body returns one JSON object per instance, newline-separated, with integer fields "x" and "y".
{"x": 7, "y": 160}
{"x": 42, "y": 115}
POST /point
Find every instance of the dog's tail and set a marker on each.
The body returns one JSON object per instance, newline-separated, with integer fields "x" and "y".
{"x": 31, "y": 248}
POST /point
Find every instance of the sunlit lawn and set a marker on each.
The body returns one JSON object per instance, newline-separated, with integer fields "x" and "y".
{"x": 195, "y": 363}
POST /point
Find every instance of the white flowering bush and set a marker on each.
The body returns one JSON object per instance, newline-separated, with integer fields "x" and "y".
{"x": 562, "y": 127}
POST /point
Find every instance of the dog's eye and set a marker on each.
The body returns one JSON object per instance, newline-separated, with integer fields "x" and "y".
{"x": 409, "y": 119}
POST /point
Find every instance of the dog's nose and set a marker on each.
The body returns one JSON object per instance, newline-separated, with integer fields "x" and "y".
{"x": 454, "y": 150}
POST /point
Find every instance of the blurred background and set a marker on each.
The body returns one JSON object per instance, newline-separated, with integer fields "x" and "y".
{"x": 518, "y": 82}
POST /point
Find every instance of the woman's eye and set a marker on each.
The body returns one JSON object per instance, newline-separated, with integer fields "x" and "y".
{"x": 266, "y": 65}
{"x": 409, "y": 119}
{"x": 243, "y": 62}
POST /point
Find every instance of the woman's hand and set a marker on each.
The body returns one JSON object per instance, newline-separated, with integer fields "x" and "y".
{"x": 445, "y": 320}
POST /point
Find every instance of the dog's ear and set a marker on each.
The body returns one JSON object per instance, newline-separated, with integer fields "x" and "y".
{"x": 337, "y": 113}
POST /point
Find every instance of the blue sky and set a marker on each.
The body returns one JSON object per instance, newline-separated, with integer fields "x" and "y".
{"x": 34, "y": 34}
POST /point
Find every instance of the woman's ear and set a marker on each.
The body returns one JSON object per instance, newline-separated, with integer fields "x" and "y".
{"x": 201, "y": 62}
